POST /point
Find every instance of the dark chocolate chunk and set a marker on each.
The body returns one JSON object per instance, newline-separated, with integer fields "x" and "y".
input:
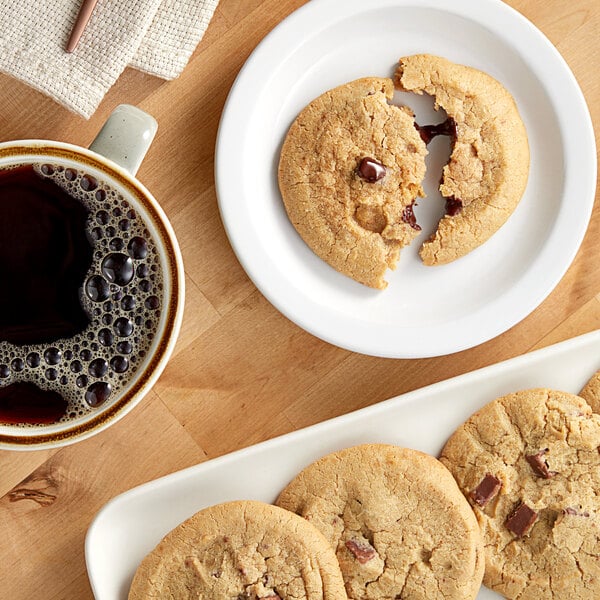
{"x": 363, "y": 551}
{"x": 453, "y": 206}
{"x": 521, "y": 520}
{"x": 428, "y": 132}
{"x": 370, "y": 170}
{"x": 487, "y": 490}
{"x": 408, "y": 216}
{"x": 539, "y": 465}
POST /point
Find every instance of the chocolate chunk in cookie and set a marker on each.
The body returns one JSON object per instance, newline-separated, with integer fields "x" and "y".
{"x": 371, "y": 170}
{"x": 487, "y": 490}
{"x": 521, "y": 520}
{"x": 539, "y": 464}
{"x": 363, "y": 551}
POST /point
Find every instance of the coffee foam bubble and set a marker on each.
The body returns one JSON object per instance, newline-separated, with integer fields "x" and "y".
{"x": 122, "y": 294}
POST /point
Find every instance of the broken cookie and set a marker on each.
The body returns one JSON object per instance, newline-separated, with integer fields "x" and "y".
{"x": 350, "y": 171}
{"x": 489, "y": 165}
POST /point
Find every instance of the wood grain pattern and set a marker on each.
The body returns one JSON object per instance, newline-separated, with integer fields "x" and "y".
{"x": 241, "y": 372}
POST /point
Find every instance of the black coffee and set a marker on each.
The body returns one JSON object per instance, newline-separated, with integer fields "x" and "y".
{"x": 81, "y": 294}
{"x": 45, "y": 256}
{"x": 27, "y": 403}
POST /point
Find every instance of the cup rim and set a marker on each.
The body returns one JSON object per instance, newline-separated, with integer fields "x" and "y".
{"x": 153, "y": 368}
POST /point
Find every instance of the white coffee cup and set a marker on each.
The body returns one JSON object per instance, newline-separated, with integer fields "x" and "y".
{"x": 112, "y": 159}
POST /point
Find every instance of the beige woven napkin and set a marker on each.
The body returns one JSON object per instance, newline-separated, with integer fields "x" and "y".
{"x": 156, "y": 36}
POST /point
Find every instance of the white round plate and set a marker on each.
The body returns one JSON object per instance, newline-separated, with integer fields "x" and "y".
{"x": 425, "y": 311}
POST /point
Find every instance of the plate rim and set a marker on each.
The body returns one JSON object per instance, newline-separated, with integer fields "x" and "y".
{"x": 445, "y": 340}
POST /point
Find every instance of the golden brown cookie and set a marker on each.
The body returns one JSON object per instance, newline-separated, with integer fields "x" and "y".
{"x": 398, "y": 523}
{"x": 591, "y": 392}
{"x": 240, "y": 550}
{"x": 489, "y": 165}
{"x": 350, "y": 171}
{"x": 530, "y": 466}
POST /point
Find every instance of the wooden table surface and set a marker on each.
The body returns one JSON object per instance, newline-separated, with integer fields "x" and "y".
{"x": 241, "y": 372}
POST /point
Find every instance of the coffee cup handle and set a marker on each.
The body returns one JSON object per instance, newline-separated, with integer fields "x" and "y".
{"x": 126, "y": 137}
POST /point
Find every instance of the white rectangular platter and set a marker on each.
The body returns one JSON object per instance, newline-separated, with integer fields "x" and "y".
{"x": 131, "y": 524}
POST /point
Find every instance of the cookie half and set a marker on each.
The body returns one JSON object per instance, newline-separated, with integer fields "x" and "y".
{"x": 398, "y": 523}
{"x": 350, "y": 171}
{"x": 591, "y": 392}
{"x": 489, "y": 165}
{"x": 241, "y": 550}
{"x": 529, "y": 464}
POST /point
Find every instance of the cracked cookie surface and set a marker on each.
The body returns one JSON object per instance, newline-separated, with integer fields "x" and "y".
{"x": 243, "y": 550}
{"x": 591, "y": 392}
{"x": 399, "y": 525}
{"x": 489, "y": 165}
{"x": 356, "y": 216}
{"x": 529, "y": 464}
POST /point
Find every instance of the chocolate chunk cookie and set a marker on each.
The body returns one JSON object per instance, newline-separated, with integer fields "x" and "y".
{"x": 489, "y": 165}
{"x": 530, "y": 466}
{"x": 398, "y": 523}
{"x": 350, "y": 171}
{"x": 241, "y": 550}
{"x": 591, "y": 392}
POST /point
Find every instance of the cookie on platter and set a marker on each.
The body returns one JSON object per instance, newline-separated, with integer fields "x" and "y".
{"x": 398, "y": 523}
{"x": 591, "y": 392}
{"x": 241, "y": 549}
{"x": 529, "y": 463}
